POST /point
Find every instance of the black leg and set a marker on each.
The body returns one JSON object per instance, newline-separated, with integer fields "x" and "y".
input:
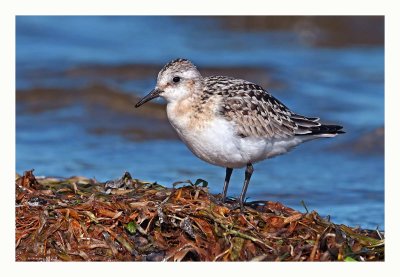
{"x": 247, "y": 176}
{"x": 226, "y": 183}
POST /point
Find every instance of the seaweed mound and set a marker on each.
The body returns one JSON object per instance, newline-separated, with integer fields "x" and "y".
{"x": 80, "y": 219}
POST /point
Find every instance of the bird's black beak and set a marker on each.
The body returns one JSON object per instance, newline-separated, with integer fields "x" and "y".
{"x": 153, "y": 94}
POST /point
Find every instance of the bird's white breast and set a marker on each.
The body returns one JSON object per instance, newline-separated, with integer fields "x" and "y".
{"x": 214, "y": 140}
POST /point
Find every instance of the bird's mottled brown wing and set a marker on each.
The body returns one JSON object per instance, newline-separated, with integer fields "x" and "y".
{"x": 256, "y": 112}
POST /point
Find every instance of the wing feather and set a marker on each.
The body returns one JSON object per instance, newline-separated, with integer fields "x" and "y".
{"x": 257, "y": 113}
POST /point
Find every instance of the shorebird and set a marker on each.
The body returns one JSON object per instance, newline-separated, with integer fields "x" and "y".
{"x": 230, "y": 122}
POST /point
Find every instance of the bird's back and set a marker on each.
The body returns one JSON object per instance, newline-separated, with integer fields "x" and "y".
{"x": 257, "y": 113}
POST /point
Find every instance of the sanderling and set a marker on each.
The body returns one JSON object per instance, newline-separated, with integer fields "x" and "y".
{"x": 231, "y": 122}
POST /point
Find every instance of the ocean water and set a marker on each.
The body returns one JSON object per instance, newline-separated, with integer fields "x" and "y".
{"x": 342, "y": 84}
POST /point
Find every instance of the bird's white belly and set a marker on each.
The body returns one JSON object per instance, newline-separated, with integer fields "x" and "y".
{"x": 217, "y": 143}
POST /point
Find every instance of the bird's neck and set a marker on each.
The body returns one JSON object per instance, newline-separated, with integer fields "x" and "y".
{"x": 181, "y": 110}
{"x": 190, "y": 113}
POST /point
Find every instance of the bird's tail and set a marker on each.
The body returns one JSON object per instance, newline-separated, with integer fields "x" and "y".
{"x": 310, "y": 126}
{"x": 326, "y": 131}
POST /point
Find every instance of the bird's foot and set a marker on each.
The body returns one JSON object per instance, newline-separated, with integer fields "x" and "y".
{"x": 232, "y": 203}
{"x": 237, "y": 205}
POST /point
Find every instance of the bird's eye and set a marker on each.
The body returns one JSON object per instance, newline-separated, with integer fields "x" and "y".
{"x": 176, "y": 79}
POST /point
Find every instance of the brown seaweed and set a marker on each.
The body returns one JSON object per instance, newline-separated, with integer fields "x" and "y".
{"x": 81, "y": 219}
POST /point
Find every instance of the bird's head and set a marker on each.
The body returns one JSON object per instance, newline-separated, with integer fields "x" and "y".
{"x": 177, "y": 80}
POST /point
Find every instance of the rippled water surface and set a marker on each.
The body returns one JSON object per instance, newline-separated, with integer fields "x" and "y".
{"x": 342, "y": 177}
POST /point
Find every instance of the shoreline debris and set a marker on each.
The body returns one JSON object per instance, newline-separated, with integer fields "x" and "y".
{"x": 81, "y": 219}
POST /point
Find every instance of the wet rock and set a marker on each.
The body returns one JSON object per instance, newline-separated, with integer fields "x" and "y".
{"x": 125, "y": 182}
{"x": 36, "y": 202}
{"x": 140, "y": 241}
{"x": 155, "y": 257}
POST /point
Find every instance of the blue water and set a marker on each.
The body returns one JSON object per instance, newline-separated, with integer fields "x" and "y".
{"x": 343, "y": 85}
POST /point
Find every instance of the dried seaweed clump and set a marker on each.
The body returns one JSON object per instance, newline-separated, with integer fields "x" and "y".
{"x": 80, "y": 219}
